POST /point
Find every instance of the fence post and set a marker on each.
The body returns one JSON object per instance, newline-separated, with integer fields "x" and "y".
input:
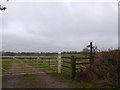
{"x": 59, "y": 62}
{"x": 91, "y": 53}
{"x": 73, "y": 66}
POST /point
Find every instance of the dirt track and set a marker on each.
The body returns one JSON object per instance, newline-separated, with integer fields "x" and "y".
{"x": 37, "y": 79}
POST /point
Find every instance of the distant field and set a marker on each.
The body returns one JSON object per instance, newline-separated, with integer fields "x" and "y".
{"x": 76, "y": 55}
{"x": 51, "y": 54}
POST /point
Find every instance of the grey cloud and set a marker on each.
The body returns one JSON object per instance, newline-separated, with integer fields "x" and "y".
{"x": 59, "y": 26}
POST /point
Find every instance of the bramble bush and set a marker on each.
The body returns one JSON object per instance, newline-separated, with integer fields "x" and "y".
{"x": 106, "y": 66}
{"x": 105, "y": 69}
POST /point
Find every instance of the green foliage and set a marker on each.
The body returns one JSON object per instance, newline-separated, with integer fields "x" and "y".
{"x": 105, "y": 67}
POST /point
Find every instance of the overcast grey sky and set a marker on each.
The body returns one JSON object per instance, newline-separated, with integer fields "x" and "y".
{"x": 59, "y": 26}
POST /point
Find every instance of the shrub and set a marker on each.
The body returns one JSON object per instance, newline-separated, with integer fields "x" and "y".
{"x": 106, "y": 68}
{"x": 106, "y": 65}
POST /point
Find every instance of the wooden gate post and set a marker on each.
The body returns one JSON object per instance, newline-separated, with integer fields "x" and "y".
{"x": 73, "y": 66}
{"x": 59, "y": 62}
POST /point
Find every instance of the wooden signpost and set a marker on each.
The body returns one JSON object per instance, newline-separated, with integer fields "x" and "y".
{"x": 91, "y": 53}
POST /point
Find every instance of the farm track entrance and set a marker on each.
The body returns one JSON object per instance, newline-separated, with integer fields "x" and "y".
{"x": 22, "y": 75}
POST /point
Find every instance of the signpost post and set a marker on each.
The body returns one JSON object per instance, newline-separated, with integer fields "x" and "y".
{"x": 91, "y": 53}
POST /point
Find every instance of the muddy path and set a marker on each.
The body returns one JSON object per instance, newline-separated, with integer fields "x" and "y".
{"x": 24, "y": 76}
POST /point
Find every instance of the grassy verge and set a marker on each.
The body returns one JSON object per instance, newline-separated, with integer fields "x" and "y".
{"x": 72, "y": 82}
{"x": 30, "y": 78}
{"x": 6, "y": 64}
